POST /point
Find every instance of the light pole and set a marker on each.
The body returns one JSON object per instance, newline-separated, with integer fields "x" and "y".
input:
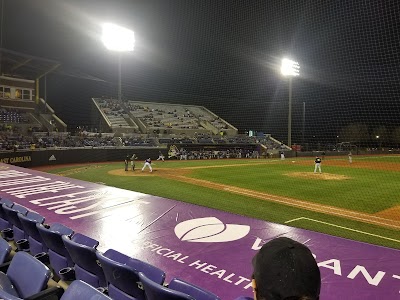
{"x": 304, "y": 123}
{"x": 119, "y": 39}
{"x": 290, "y": 69}
{"x": 379, "y": 144}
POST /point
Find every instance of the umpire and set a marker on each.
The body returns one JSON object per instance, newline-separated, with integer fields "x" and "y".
{"x": 126, "y": 161}
{"x": 133, "y": 158}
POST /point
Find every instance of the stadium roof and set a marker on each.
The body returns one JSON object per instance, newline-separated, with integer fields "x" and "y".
{"x": 21, "y": 65}
{"x": 26, "y": 66}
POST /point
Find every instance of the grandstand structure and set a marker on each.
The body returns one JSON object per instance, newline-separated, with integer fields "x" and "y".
{"x": 28, "y": 123}
{"x": 160, "y": 118}
{"x": 22, "y": 110}
{"x": 19, "y": 111}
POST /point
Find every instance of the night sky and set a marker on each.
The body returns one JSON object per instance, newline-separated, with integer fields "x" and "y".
{"x": 224, "y": 55}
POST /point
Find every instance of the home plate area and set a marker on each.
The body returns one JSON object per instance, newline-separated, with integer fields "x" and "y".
{"x": 206, "y": 247}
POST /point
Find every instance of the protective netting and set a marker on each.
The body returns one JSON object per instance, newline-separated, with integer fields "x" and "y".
{"x": 226, "y": 55}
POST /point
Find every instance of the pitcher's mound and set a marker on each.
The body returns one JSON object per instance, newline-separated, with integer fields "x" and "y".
{"x": 322, "y": 176}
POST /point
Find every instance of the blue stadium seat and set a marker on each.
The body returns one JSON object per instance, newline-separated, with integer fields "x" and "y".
{"x": 196, "y": 292}
{"x": 26, "y": 276}
{"x": 6, "y": 296}
{"x": 122, "y": 277}
{"x": 80, "y": 290}
{"x": 58, "y": 254}
{"x": 29, "y": 222}
{"x": 152, "y": 272}
{"x": 3, "y": 218}
{"x": 5, "y": 250}
{"x": 156, "y": 291}
{"x": 12, "y": 215}
{"x": 82, "y": 250}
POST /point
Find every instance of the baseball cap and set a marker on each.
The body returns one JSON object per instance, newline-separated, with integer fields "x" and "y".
{"x": 284, "y": 268}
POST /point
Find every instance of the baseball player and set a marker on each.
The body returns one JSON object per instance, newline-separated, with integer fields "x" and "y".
{"x": 126, "y": 162}
{"x": 282, "y": 155}
{"x": 160, "y": 156}
{"x": 318, "y": 161}
{"x": 133, "y": 159}
{"x": 147, "y": 163}
{"x": 350, "y": 157}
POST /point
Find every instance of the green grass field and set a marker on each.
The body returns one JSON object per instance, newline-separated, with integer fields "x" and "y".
{"x": 371, "y": 185}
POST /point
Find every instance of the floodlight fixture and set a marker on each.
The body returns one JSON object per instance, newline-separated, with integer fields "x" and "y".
{"x": 117, "y": 38}
{"x": 290, "y": 67}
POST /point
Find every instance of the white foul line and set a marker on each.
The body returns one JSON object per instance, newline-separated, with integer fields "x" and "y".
{"x": 342, "y": 227}
{"x": 335, "y": 211}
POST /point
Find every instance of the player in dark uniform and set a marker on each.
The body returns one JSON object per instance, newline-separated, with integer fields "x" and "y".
{"x": 147, "y": 163}
{"x": 318, "y": 161}
{"x": 160, "y": 156}
{"x": 133, "y": 159}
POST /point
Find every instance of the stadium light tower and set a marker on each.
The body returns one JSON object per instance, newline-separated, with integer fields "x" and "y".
{"x": 379, "y": 143}
{"x": 290, "y": 69}
{"x": 119, "y": 39}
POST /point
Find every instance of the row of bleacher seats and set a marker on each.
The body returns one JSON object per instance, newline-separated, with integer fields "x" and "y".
{"x": 158, "y": 116}
{"x": 12, "y": 116}
{"x": 173, "y": 140}
{"x": 155, "y": 115}
{"x": 20, "y": 142}
{"x": 114, "y": 112}
{"x": 139, "y": 141}
{"x": 49, "y": 257}
{"x": 174, "y": 116}
{"x": 10, "y": 141}
{"x": 217, "y": 154}
{"x": 18, "y": 121}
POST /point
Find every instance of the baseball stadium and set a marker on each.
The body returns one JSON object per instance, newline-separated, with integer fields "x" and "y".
{"x": 152, "y": 150}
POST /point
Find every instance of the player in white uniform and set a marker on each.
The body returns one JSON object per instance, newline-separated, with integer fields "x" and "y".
{"x": 282, "y": 155}
{"x": 147, "y": 163}
{"x": 350, "y": 157}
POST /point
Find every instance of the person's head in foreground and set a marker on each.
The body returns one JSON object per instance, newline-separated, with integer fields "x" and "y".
{"x": 285, "y": 269}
